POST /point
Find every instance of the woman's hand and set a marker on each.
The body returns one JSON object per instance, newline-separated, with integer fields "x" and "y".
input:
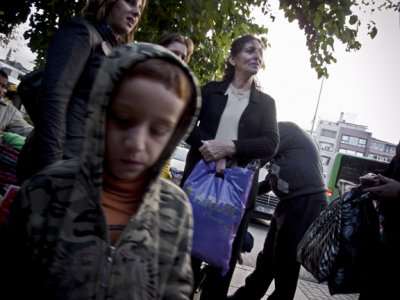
{"x": 389, "y": 188}
{"x": 213, "y": 150}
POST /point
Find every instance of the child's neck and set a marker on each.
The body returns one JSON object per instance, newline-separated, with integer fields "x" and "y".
{"x": 125, "y": 188}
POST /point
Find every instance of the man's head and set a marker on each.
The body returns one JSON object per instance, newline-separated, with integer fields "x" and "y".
{"x": 180, "y": 45}
{"x": 3, "y": 83}
{"x": 143, "y": 115}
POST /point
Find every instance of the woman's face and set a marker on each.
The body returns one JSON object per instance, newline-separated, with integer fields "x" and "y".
{"x": 178, "y": 49}
{"x": 124, "y": 15}
{"x": 249, "y": 60}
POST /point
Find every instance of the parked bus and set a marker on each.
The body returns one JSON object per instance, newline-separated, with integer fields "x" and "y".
{"x": 350, "y": 168}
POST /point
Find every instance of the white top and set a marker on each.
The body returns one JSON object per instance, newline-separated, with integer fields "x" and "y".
{"x": 235, "y": 106}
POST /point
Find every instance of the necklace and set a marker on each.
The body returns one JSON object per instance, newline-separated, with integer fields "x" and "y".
{"x": 240, "y": 94}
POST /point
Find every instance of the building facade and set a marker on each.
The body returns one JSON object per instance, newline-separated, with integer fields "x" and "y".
{"x": 354, "y": 139}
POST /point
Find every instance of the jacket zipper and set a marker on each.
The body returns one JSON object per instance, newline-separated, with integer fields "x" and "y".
{"x": 108, "y": 267}
{"x": 110, "y": 259}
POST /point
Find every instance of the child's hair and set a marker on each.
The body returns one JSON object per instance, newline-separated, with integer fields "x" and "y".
{"x": 164, "y": 72}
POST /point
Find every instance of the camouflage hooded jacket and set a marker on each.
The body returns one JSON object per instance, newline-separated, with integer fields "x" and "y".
{"x": 54, "y": 243}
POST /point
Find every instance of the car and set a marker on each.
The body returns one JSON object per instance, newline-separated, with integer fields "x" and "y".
{"x": 178, "y": 163}
{"x": 265, "y": 203}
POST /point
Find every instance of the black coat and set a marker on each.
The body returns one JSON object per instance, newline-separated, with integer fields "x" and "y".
{"x": 258, "y": 135}
{"x": 75, "y": 53}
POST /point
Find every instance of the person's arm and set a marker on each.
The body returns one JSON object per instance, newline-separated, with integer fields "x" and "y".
{"x": 17, "y": 122}
{"x": 68, "y": 53}
{"x": 197, "y": 134}
{"x": 180, "y": 281}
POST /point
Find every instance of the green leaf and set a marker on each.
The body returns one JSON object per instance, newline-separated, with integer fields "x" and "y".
{"x": 353, "y": 19}
{"x": 317, "y": 20}
{"x": 373, "y": 32}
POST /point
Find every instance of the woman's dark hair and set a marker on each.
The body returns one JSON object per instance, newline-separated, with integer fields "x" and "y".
{"x": 167, "y": 39}
{"x": 236, "y": 47}
{"x": 96, "y": 11}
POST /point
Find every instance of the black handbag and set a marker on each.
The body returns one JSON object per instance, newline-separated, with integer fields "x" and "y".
{"x": 319, "y": 246}
{"x": 340, "y": 243}
{"x": 359, "y": 237}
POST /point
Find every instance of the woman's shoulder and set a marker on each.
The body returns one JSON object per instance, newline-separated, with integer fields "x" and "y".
{"x": 79, "y": 24}
{"x": 264, "y": 96}
{"x": 215, "y": 86}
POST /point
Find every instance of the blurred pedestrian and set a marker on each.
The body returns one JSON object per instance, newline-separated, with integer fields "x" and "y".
{"x": 237, "y": 123}
{"x": 105, "y": 226}
{"x": 11, "y": 119}
{"x": 296, "y": 177}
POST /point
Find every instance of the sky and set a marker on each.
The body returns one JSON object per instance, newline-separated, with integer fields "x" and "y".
{"x": 364, "y": 85}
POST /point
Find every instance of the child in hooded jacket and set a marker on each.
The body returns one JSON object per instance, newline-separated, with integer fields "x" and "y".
{"x": 106, "y": 226}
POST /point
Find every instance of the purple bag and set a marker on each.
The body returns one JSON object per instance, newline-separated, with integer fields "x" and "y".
{"x": 218, "y": 207}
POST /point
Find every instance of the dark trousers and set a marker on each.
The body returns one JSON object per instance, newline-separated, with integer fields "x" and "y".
{"x": 216, "y": 286}
{"x": 277, "y": 261}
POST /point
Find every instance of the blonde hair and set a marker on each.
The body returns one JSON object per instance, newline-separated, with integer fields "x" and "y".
{"x": 96, "y": 10}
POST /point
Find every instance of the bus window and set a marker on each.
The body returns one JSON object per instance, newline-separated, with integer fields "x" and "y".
{"x": 350, "y": 168}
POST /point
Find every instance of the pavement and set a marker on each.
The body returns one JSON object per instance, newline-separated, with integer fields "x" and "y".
{"x": 307, "y": 287}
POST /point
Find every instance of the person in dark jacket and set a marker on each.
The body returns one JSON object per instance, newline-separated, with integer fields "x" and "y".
{"x": 383, "y": 274}
{"x": 74, "y": 55}
{"x": 296, "y": 177}
{"x": 237, "y": 124}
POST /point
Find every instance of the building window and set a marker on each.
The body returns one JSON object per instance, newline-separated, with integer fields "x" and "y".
{"x": 326, "y": 146}
{"x": 389, "y": 149}
{"x": 325, "y": 160}
{"x": 345, "y": 139}
{"x": 388, "y": 160}
{"x": 354, "y": 141}
{"x": 377, "y": 147}
{"x": 328, "y": 133}
{"x": 362, "y": 142}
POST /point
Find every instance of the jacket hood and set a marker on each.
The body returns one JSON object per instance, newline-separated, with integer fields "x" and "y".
{"x": 109, "y": 75}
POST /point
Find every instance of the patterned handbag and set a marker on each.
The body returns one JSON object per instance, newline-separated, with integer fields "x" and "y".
{"x": 319, "y": 246}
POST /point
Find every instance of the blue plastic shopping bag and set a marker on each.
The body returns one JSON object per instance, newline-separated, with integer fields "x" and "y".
{"x": 218, "y": 207}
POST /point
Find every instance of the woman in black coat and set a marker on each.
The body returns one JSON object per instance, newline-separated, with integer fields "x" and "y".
{"x": 75, "y": 53}
{"x": 237, "y": 124}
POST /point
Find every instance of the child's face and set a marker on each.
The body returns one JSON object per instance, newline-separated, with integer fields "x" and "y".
{"x": 142, "y": 118}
